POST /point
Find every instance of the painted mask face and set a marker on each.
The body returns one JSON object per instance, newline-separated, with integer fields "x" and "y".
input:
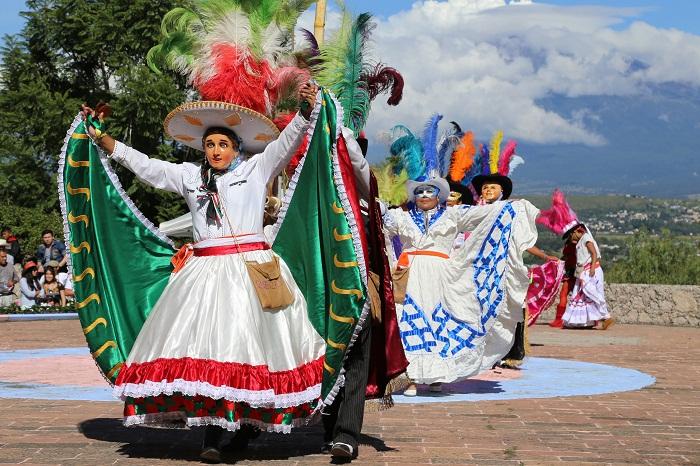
{"x": 220, "y": 151}
{"x": 491, "y": 192}
{"x": 454, "y": 199}
{"x": 426, "y": 192}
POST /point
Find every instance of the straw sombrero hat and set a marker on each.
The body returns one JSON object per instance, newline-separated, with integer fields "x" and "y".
{"x": 188, "y": 123}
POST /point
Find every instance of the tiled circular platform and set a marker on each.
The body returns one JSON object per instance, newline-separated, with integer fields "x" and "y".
{"x": 70, "y": 374}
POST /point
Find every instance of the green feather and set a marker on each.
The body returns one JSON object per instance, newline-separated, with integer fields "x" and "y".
{"x": 175, "y": 52}
{"x": 342, "y": 64}
{"x": 289, "y": 12}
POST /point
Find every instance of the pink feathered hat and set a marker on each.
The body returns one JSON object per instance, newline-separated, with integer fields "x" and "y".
{"x": 560, "y": 218}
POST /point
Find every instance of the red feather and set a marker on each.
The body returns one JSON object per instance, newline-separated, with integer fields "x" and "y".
{"x": 239, "y": 79}
{"x": 383, "y": 78}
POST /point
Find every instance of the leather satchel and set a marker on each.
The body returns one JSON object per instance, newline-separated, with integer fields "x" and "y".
{"x": 269, "y": 284}
{"x": 400, "y": 278}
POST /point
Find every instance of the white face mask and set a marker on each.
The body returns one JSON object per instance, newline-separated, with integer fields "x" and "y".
{"x": 426, "y": 192}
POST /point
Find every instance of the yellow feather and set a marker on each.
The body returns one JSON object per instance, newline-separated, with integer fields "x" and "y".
{"x": 495, "y": 151}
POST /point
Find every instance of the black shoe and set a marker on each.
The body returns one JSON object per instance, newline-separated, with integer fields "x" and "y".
{"x": 241, "y": 438}
{"x": 210, "y": 445}
{"x": 210, "y": 455}
{"x": 343, "y": 451}
{"x": 326, "y": 448}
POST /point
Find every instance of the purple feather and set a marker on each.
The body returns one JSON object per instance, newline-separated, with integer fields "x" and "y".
{"x": 485, "y": 167}
{"x": 314, "y": 49}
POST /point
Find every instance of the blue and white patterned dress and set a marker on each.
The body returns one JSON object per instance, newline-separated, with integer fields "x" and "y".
{"x": 462, "y": 305}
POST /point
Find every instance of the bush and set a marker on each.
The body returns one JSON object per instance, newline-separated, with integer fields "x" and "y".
{"x": 27, "y": 223}
{"x": 662, "y": 259}
{"x": 36, "y": 309}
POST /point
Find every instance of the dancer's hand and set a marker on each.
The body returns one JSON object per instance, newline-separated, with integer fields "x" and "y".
{"x": 551, "y": 258}
{"x": 591, "y": 272}
{"x": 101, "y": 112}
{"x": 307, "y": 93}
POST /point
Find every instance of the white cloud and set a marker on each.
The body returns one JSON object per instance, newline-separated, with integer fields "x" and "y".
{"x": 489, "y": 63}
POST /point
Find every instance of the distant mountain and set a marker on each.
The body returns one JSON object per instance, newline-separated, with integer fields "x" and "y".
{"x": 652, "y": 149}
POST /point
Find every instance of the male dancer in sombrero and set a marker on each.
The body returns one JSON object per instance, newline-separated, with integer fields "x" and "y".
{"x": 208, "y": 335}
{"x": 223, "y": 345}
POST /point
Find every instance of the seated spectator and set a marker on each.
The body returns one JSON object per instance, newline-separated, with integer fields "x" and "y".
{"x": 64, "y": 278}
{"x": 29, "y": 285}
{"x": 13, "y": 244}
{"x": 51, "y": 290}
{"x": 8, "y": 278}
{"x": 6, "y": 247}
{"x": 51, "y": 249}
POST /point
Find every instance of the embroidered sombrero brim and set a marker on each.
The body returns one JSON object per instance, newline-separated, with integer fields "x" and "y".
{"x": 188, "y": 122}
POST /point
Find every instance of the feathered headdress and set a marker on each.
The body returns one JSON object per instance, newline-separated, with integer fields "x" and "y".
{"x": 343, "y": 66}
{"x": 496, "y": 165}
{"x": 237, "y": 52}
{"x": 418, "y": 157}
{"x": 560, "y": 218}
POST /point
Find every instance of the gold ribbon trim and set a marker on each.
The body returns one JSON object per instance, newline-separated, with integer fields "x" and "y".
{"x": 338, "y": 346}
{"x": 103, "y": 348}
{"x": 343, "y": 265}
{"x": 80, "y": 247}
{"x": 336, "y": 209}
{"x": 80, "y": 163}
{"x": 86, "y": 301}
{"x": 92, "y": 326}
{"x": 80, "y": 218}
{"x": 328, "y": 368}
{"x": 339, "y": 237}
{"x": 113, "y": 370}
{"x": 73, "y": 191}
{"x": 337, "y": 318}
{"x": 78, "y": 136}
{"x": 89, "y": 271}
{"x": 343, "y": 291}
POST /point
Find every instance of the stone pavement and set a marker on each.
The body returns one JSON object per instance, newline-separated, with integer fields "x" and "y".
{"x": 656, "y": 425}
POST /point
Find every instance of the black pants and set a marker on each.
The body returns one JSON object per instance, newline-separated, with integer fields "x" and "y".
{"x": 342, "y": 421}
{"x": 517, "y": 351}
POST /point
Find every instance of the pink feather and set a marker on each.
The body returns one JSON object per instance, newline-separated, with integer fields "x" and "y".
{"x": 287, "y": 80}
{"x": 506, "y": 156}
{"x": 559, "y": 215}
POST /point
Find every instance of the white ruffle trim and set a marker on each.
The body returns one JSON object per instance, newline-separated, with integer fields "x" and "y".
{"x": 61, "y": 185}
{"x": 179, "y": 419}
{"x": 60, "y": 181}
{"x": 256, "y": 399}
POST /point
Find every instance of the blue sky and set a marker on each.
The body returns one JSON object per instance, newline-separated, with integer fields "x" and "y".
{"x": 602, "y": 86}
{"x": 679, "y": 14}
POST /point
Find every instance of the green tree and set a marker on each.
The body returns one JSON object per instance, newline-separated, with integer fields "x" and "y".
{"x": 74, "y": 51}
{"x": 662, "y": 259}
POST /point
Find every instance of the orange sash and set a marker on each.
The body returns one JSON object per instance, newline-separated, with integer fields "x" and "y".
{"x": 403, "y": 258}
